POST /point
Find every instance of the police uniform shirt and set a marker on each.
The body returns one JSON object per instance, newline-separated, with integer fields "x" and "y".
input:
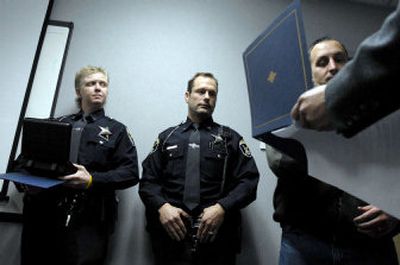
{"x": 107, "y": 151}
{"x": 164, "y": 168}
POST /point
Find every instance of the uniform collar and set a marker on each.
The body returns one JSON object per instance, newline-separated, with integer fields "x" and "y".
{"x": 95, "y": 115}
{"x": 207, "y": 124}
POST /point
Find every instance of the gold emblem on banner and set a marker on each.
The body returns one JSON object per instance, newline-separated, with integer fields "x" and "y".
{"x": 272, "y": 77}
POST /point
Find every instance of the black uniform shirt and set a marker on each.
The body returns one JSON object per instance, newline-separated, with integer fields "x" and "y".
{"x": 109, "y": 155}
{"x": 163, "y": 177}
{"x": 107, "y": 151}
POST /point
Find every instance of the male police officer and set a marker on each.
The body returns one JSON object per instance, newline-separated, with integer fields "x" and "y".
{"x": 71, "y": 224}
{"x": 195, "y": 181}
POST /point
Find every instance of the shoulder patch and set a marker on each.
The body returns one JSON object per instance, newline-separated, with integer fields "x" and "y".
{"x": 244, "y": 148}
{"x": 130, "y": 136}
{"x": 155, "y": 145}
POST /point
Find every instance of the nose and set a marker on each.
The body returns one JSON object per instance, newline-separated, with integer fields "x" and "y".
{"x": 332, "y": 66}
{"x": 97, "y": 86}
{"x": 207, "y": 95}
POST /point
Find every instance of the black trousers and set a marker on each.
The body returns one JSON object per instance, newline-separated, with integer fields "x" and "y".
{"x": 45, "y": 240}
{"x": 83, "y": 245}
{"x": 170, "y": 252}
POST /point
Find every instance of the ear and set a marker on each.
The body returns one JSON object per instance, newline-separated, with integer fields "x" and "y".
{"x": 78, "y": 92}
{"x": 187, "y": 94}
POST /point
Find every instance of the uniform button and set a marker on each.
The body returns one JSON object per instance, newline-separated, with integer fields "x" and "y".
{"x": 170, "y": 155}
{"x": 219, "y": 156}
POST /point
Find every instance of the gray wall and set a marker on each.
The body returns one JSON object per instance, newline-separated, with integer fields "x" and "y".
{"x": 152, "y": 47}
{"x": 19, "y": 35}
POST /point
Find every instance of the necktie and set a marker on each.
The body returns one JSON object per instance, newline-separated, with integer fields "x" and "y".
{"x": 76, "y": 134}
{"x": 191, "y": 194}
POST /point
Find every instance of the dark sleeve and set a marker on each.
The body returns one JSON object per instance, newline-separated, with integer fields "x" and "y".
{"x": 242, "y": 177}
{"x": 287, "y": 158}
{"x": 125, "y": 171}
{"x": 364, "y": 90}
{"x": 150, "y": 186}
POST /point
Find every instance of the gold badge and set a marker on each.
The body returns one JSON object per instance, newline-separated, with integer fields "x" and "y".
{"x": 105, "y": 133}
{"x": 217, "y": 138}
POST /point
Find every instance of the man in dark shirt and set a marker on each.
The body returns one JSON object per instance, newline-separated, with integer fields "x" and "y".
{"x": 222, "y": 173}
{"x": 71, "y": 224}
{"x": 320, "y": 223}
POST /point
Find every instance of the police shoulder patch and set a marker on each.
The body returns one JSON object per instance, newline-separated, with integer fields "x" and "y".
{"x": 244, "y": 148}
{"x": 130, "y": 137}
{"x": 155, "y": 145}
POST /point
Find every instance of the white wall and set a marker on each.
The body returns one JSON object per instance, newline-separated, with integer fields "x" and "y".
{"x": 152, "y": 47}
{"x": 19, "y": 35}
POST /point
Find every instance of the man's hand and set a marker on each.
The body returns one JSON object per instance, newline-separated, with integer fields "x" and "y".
{"x": 374, "y": 222}
{"x": 171, "y": 220}
{"x": 79, "y": 180}
{"x": 211, "y": 219}
{"x": 310, "y": 110}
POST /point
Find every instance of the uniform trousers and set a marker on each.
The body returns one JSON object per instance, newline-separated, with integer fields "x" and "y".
{"x": 45, "y": 240}
{"x": 169, "y": 252}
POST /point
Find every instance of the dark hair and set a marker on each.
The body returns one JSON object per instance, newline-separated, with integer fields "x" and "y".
{"x": 203, "y": 74}
{"x": 327, "y": 38}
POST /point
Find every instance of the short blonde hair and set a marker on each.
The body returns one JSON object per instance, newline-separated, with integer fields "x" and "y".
{"x": 86, "y": 71}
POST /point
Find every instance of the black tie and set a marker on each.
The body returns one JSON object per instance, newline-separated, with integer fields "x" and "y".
{"x": 76, "y": 134}
{"x": 191, "y": 194}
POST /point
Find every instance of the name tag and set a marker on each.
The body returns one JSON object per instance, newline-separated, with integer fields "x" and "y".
{"x": 172, "y": 147}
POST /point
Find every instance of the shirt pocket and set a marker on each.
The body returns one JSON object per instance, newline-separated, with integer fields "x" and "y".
{"x": 213, "y": 165}
{"x": 175, "y": 166}
{"x": 98, "y": 153}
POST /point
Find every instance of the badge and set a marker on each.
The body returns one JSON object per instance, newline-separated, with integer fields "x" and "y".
{"x": 171, "y": 147}
{"x": 244, "y": 148}
{"x": 217, "y": 138}
{"x": 105, "y": 133}
{"x": 155, "y": 145}
{"x": 194, "y": 145}
{"x": 217, "y": 143}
